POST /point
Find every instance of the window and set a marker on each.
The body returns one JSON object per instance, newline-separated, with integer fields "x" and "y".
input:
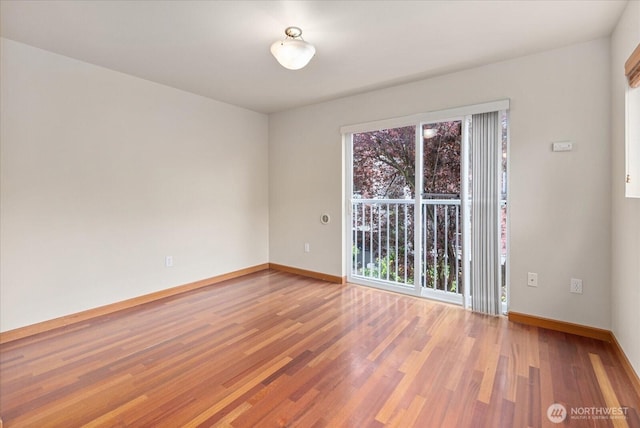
{"x": 632, "y": 137}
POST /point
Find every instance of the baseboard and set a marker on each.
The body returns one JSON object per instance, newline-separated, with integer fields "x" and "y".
{"x": 563, "y": 326}
{"x": 48, "y": 325}
{"x": 66, "y": 320}
{"x": 585, "y": 331}
{"x": 628, "y": 368}
{"x": 309, "y": 273}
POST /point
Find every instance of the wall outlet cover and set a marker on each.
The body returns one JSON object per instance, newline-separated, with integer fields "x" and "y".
{"x": 576, "y": 286}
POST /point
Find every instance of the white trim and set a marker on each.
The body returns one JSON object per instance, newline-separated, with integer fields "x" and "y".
{"x": 442, "y": 296}
{"x": 407, "y": 289}
{"x": 347, "y": 189}
{"x": 347, "y": 140}
{"x": 433, "y": 116}
{"x": 507, "y": 273}
{"x": 417, "y": 210}
{"x": 632, "y": 142}
{"x": 464, "y": 212}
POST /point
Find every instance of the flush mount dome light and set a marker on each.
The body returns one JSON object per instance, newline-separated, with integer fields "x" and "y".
{"x": 293, "y": 52}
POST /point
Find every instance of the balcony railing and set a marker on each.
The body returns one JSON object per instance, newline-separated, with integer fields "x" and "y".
{"x": 442, "y": 245}
{"x": 383, "y": 245}
{"x": 383, "y": 237}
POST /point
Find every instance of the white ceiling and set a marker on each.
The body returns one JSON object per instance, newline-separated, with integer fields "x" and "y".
{"x": 220, "y": 49}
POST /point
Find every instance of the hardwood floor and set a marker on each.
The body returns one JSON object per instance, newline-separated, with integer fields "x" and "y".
{"x": 275, "y": 349}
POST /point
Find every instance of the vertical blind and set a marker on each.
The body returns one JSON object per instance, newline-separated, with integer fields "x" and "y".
{"x": 486, "y": 153}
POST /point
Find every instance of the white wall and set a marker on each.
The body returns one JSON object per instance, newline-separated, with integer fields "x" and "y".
{"x": 625, "y": 254}
{"x": 560, "y": 212}
{"x": 104, "y": 174}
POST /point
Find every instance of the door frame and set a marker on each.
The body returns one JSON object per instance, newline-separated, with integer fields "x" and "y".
{"x": 418, "y": 120}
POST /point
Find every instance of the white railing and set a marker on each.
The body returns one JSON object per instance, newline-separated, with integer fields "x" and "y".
{"x": 442, "y": 245}
{"x": 383, "y": 245}
{"x": 383, "y": 242}
{"x": 383, "y": 239}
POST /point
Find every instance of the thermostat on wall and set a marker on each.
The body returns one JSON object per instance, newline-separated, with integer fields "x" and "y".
{"x": 325, "y": 219}
{"x": 562, "y": 146}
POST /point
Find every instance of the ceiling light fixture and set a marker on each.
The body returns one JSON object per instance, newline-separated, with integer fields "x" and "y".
{"x": 293, "y": 52}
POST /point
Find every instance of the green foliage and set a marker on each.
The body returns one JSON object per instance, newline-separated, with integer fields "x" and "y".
{"x": 443, "y": 273}
{"x": 386, "y": 266}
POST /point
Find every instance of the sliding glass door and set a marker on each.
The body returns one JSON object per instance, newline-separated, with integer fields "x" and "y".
{"x": 411, "y": 209}
{"x": 407, "y": 229}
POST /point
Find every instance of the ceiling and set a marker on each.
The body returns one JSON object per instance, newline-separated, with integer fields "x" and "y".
{"x": 220, "y": 49}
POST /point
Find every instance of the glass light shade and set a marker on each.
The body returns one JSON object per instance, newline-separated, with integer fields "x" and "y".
{"x": 293, "y": 54}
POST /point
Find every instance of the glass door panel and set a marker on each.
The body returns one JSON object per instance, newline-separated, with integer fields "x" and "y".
{"x": 442, "y": 225}
{"x": 382, "y": 206}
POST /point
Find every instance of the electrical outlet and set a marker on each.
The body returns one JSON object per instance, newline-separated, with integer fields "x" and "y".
{"x": 168, "y": 261}
{"x": 532, "y": 279}
{"x": 307, "y": 247}
{"x": 576, "y": 286}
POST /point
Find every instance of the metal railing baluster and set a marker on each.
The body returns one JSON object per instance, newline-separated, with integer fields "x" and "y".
{"x": 446, "y": 248}
{"x": 370, "y": 237}
{"x": 457, "y": 248}
{"x": 388, "y": 260}
{"x": 397, "y": 255}
{"x": 406, "y": 220}
{"x": 435, "y": 247}
{"x": 364, "y": 239}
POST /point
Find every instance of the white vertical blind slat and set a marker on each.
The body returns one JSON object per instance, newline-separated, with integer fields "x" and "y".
{"x": 485, "y": 204}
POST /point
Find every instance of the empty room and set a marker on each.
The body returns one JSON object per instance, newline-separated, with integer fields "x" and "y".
{"x": 320, "y": 213}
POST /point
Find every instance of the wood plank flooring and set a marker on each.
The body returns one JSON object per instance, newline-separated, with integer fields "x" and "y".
{"x": 273, "y": 349}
